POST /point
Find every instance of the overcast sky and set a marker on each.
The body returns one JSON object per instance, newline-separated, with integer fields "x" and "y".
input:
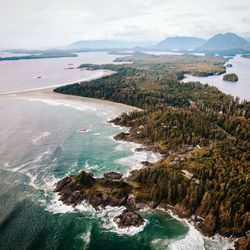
{"x": 48, "y": 23}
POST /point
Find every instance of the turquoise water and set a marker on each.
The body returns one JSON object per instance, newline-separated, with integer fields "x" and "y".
{"x": 40, "y": 144}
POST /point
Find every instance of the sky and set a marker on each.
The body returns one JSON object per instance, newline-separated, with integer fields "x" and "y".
{"x": 52, "y": 23}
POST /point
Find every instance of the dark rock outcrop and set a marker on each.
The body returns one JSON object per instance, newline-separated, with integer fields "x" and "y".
{"x": 121, "y": 137}
{"x": 98, "y": 192}
{"x": 62, "y": 183}
{"x": 147, "y": 164}
{"x": 113, "y": 175}
{"x": 129, "y": 218}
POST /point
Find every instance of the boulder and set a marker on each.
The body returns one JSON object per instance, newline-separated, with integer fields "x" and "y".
{"x": 147, "y": 164}
{"x": 129, "y": 218}
{"x": 113, "y": 175}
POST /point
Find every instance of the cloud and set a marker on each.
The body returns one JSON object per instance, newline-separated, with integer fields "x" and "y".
{"x": 246, "y": 20}
{"x": 36, "y": 23}
{"x": 233, "y": 8}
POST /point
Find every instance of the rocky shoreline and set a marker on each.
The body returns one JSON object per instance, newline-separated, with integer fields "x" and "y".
{"x": 113, "y": 189}
{"x": 100, "y": 193}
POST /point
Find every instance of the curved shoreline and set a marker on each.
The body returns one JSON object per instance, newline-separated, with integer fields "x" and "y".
{"x": 48, "y": 93}
{"x": 189, "y": 220}
{"x": 45, "y": 93}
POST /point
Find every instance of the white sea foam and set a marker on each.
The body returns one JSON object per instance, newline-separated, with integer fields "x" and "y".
{"x": 57, "y": 207}
{"x": 40, "y": 137}
{"x": 219, "y": 242}
{"x": 84, "y": 130}
{"x": 27, "y": 166}
{"x": 49, "y": 183}
{"x": 71, "y": 104}
{"x": 18, "y": 168}
{"x": 126, "y": 129}
{"x": 33, "y": 179}
{"x": 107, "y": 216}
{"x": 6, "y": 165}
{"x": 135, "y": 160}
{"x": 74, "y": 164}
{"x": 159, "y": 244}
{"x": 195, "y": 240}
{"x": 42, "y": 155}
{"x": 86, "y": 237}
{"x": 100, "y": 109}
{"x": 192, "y": 240}
{"x": 88, "y": 167}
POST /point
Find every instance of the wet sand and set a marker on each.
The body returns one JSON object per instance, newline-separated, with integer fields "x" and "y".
{"x": 48, "y": 94}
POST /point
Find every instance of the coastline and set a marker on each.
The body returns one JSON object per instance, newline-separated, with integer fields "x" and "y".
{"x": 189, "y": 220}
{"x": 47, "y": 93}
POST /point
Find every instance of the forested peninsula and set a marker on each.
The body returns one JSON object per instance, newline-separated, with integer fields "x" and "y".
{"x": 202, "y": 133}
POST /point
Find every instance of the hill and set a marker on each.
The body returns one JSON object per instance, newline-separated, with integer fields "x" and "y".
{"x": 182, "y": 43}
{"x": 222, "y": 42}
{"x": 107, "y": 44}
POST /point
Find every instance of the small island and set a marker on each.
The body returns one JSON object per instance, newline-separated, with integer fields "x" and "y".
{"x": 230, "y": 77}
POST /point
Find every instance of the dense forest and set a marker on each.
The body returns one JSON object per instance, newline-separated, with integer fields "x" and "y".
{"x": 203, "y": 133}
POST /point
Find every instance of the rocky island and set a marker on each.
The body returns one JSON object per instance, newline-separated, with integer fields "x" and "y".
{"x": 230, "y": 77}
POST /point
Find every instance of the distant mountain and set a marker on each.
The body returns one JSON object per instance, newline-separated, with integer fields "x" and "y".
{"x": 182, "y": 43}
{"x": 222, "y": 42}
{"x": 107, "y": 44}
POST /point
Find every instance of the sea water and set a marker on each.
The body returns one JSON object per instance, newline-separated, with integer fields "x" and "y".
{"x": 42, "y": 142}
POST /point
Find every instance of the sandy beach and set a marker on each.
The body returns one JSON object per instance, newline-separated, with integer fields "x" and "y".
{"x": 48, "y": 94}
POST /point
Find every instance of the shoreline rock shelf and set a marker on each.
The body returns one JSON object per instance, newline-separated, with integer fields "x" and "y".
{"x": 99, "y": 193}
